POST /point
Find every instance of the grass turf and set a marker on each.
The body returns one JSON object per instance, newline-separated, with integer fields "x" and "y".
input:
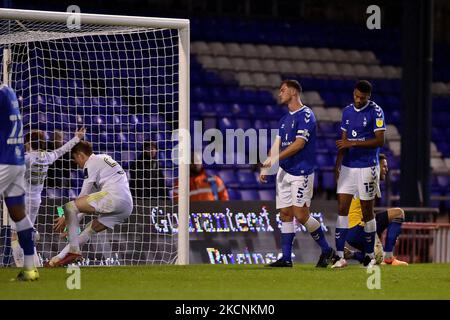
{"x": 196, "y": 282}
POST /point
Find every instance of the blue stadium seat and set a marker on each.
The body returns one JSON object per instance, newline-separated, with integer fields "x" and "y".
{"x": 267, "y": 195}
{"x": 226, "y": 123}
{"x": 228, "y": 176}
{"x": 246, "y": 178}
{"x": 249, "y": 195}
{"x": 328, "y": 180}
{"x": 234, "y": 194}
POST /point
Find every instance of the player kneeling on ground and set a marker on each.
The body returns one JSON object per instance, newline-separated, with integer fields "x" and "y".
{"x": 105, "y": 193}
{"x": 391, "y": 220}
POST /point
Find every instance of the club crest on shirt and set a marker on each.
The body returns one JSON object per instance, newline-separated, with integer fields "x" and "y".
{"x": 379, "y": 122}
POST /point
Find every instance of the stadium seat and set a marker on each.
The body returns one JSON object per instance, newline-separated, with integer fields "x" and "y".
{"x": 267, "y": 195}
{"x": 234, "y": 194}
{"x": 233, "y": 49}
{"x": 249, "y": 195}
{"x": 246, "y": 178}
{"x": 228, "y": 176}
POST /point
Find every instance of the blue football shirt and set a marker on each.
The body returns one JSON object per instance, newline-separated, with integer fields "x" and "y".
{"x": 11, "y": 129}
{"x": 360, "y": 125}
{"x": 299, "y": 124}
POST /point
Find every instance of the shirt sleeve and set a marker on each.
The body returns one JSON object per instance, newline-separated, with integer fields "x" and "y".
{"x": 305, "y": 125}
{"x": 379, "y": 123}
{"x": 90, "y": 172}
{"x": 344, "y": 122}
{"x": 55, "y": 154}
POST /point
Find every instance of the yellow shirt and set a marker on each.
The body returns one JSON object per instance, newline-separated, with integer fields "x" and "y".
{"x": 355, "y": 216}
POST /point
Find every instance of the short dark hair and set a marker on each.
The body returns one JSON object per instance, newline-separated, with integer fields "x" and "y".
{"x": 364, "y": 86}
{"x": 82, "y": 146}
{"x": 36, "y": 138}
{"x": 292, "y": 84}
{"x": 382, "y": 156}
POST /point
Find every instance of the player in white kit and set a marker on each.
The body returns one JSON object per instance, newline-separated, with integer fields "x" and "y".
{"x": 105, "y": 193}
{"x": 37, "y": 162}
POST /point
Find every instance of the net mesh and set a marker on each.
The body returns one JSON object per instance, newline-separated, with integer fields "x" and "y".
{"x": 121, "y": 83}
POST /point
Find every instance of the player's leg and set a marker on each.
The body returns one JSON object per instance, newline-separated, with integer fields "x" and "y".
{"x": 346, "y": 189}
{"x": 395, "y": 218}
{"x": 355, "y": 238}
{"x": 302, "y": 192}
{"x": 368, "y": 188}
{"x": 32, "y": 210}
{"x": 63, "y": 258}
{"x": 71, "y": 211}
{"x": 12, "y": 188}
{"x": 284, "y": 204}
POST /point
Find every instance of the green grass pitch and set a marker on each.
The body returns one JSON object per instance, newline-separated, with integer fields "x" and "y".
{"x": 197, "y": 282}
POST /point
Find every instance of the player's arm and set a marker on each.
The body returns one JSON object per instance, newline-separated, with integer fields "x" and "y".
{"x": 55, "y": 154}
{"x": 340, "y": 157}
{"x": 273, "y": 153}
{"x": 294, "y": 148}
{"x": 376, "y": 142}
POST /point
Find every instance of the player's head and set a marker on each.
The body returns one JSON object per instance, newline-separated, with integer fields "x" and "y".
{"x": 81, "y": 152}
{"x": 196, "y": 163}
{"x": 362, "y": 92}
{"x": 35, "y": 140}
{"x": 290, "y": 90}
{"x": 383, "y": 166}
{"x": 151, "y": 149}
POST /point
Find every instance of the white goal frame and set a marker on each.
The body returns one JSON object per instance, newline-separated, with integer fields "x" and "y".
{"x": 183, "y": 119}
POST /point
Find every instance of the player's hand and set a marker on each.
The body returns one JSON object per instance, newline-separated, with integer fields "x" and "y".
{"x": 80, "y": 133}
{"x": 343, "y": 144}
{"x": 60, "y": 224}
{"x": 268, "y": 163}
{"x": 262, "y": 178}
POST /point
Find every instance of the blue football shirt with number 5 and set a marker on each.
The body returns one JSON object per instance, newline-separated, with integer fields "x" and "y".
{"x": 361, "y": 125}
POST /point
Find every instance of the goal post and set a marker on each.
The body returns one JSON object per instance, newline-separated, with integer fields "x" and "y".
{"x": 109, "y": 70}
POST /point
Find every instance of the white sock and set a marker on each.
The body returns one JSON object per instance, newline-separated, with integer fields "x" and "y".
{"x": 28, "y": 261}
{"x": 388, "y": 255}
{"x": 82, "y": 239}
{"x": 312, "y": 224}
{"x": 287, "y": 227}
{"x": 71, "y": 213}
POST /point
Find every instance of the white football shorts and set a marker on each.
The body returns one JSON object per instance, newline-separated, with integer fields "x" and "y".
{"x": 12, "y": 180}
{"x": 362, "y": 182}
{"x": 112, "y": 209}
{"x": 294, "y": 190}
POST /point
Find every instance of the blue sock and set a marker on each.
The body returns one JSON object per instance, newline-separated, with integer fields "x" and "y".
{"x": 358, "y": 255}
{"x": 26, "y": 241}
{"x": 393, "y": 232}
{"x": 370, "y": 229}
{"x": 319, "y": 237}
{"x": 286, "y": 245}
{"x": 340, "y": 237}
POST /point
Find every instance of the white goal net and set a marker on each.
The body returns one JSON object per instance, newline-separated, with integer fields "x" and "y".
{"x": 126, "y": 84}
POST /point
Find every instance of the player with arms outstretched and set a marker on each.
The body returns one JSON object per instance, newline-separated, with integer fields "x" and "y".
{"x": 12, "y": 176}
{"x": 391, "y": 219}
{"x": 295, "y": 150}
{"x": 105, "y": 193}
{"x": 37, "y": 162}
{"x": 357, "y": 168}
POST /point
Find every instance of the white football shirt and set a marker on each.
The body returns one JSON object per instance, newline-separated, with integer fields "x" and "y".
{"x": 37, "y": 163}
{"x": 102, "y": 173}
